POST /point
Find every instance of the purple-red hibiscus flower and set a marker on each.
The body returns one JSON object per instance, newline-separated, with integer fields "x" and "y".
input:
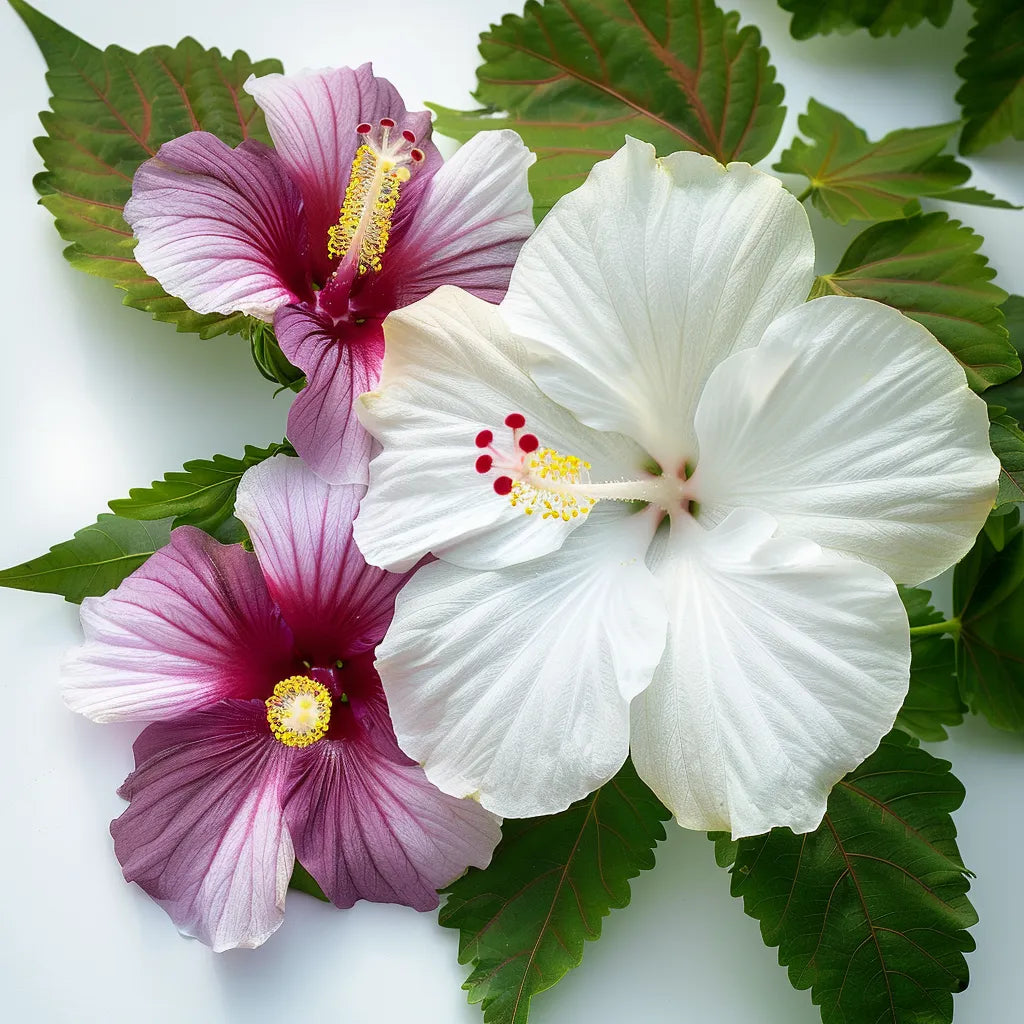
{"x": 271, "y": 738}
{"x": 351, "y": 215}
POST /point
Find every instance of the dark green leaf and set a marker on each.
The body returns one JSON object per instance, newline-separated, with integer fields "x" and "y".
{"x": 1010, "y": 395}
{"x": 976, "y": 197}
{"x": 934, "y": 698}
{"x": 992, "y": 95}
{"x": 303, "y": 881}
{"x": 111, "y": 110}
{"x": 929, "y": 268}
{"x": 269, "y": 359}
{"x": 819, "y": 17}
{"x": 203, "y": 495}
{"x": 852, "y": 178}
{"x": 575, "y": 78}
{"x": 1007, "y": 440}
{"x": 988, "y": 597}
{"x": 95, "y": 561}
{"x": 869, "y": 912}
{"x": 524, "y": 920}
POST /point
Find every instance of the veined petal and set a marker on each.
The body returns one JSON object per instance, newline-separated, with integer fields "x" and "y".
{"x": 301, "y": 529}
{"x": 204, "y": 834}
{"x": 473, "y": 218}
{"x": 220, "y": 228}
{"x": 638, "y": 283}
{"x": 450, "y": 371}
{"x": 340, "y": 362}
{"x": 854, "y": 427}
{"x": 192, "y": 626}
{"x": 784, "y": 667}
{"x": 514, "y": 686}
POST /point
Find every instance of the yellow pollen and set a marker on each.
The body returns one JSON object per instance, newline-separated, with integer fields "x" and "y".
{"x": 364, "y": 226}
{"x": 557, "y": 500}
{"x": 299, "y": 711}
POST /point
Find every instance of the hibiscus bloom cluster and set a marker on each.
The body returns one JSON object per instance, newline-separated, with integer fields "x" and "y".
{"x": 609, "y": 488}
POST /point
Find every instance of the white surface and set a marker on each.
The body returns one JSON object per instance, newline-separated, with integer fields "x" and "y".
{"x": 98, "y": 399}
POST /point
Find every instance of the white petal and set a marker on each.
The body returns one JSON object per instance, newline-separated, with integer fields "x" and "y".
{"x": 784, "y": 667}
{"x": 638, "y": 283}
{"x": 450, "y": 371}
{"x": 854, "y": 427}
{"x": 514, "y": 686}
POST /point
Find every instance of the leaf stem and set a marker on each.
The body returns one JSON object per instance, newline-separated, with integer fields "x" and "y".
{"x": 951, "y": 626}
{"x": 805, "y": 195}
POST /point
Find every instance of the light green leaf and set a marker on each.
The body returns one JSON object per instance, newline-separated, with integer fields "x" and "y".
{"x": 870, "y": 911}
{"x": 992, "y": 96}
{"x": 929, "y": 268}
{"x": 1010, "y": 396}
{"x": 95, "y": 561}
{"x": 575, "y": 79}
{"x": 819, "y": 17}
{"x": 111, "y": 110}
{"x": 523, "y": 920}
{"x": 976, "y": 197}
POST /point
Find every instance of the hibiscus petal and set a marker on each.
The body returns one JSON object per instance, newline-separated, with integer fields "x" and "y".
{"x": 469, "y": 227}
{"x": 339, "y": 365}
{"x": 301, "y": 529}
{"x": 450, "y": 371}
{"x": 312, "y": 117}
{"x": 514, "y": 686}
{"x": 785, "y": 665}
{"x": 638, "y": 283}
{"x": 220, "y": 228}
{"x": 205, "y": 833}
{"x": 853, "y": 427}
{"x": 193, "y": 625}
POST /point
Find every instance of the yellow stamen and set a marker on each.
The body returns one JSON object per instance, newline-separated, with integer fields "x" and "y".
{"x": 299, "y": 711}
{"x": 551, "y": 483}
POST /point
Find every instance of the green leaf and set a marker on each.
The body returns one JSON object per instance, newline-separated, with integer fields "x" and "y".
{"x": 272, "y": 363}
{"x": 523, "y": 920}
{"x": 929, "y": 268}
{"x": 869, "y": 912}
{"x": 976, "y": 197}
{"x": 992, "y": 96}
{"x": 852, "y": 178}
{"x": 203, "y": 495}
{"x": 1007, "y": 440}
{"x": 111, "y": 110}
{"x": 819, "y": 17}
{"x": 575, "y": 79}
{"x": 95, "y": 561}
{"x": 1010, "y": 396}
{"x": 303, "y": 881}
{"x": 934, "y": 698}
{"x": 988, "y": 597}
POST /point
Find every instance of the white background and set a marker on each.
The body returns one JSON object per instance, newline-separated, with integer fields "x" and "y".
{"x": 98, "y": 398}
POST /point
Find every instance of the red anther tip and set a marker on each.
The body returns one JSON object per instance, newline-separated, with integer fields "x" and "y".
{"x": 503, "y": 485}
{"x": 515, "y": 420}
{"x": 408, "y": 136}
{"x": 386, "y": 122}
{"x": 484, "y": 463}
{"x": 484, "y": 438}
{"x": 529, "y": 443}
{"x": 363, "y": 129}
{"x": 416, "y": 154}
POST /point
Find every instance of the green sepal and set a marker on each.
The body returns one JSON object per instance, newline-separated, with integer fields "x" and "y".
{"x": 303, "y": 881}
{"x": 272, "y": 363}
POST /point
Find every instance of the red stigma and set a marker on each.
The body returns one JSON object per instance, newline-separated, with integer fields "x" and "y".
{"x": 363, "y": 129}
{"x": 529, "y": 443}
{"x": 484, "y": 438}
{"x": 503, "y": 485}
{"x": 515, "y": 420}
{"x": 408, "y": 136}
{"x": 416, "y": 154}
{"x": 484, "y": 463}
{"x": 386, "y": 122}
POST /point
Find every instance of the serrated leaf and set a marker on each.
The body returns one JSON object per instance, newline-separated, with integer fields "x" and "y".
{"x": 523, "y": 921}
{"x": 879, "y": 17}
{"x": 934, "y": 698}
{"x": 575, "y": 79}
{"x": 853, "y": 178}
{"x": 928, "y": 267}
{"x": 1007, "y": 439}
{"x": 988, "y": 598}
{"x": 992, "y": 96}
{"x": 870, "y": 911}
{"x": 976, "y": 197}
{"x": 1010, "y": 396}
{"x": 202, "y": 494}
{"x": 96, "y": 560}
{"x": 111, "y": 110}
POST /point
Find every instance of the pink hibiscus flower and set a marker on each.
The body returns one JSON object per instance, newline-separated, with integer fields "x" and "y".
{"x": 351, "y": 215}
{"x": 271, "y": 737}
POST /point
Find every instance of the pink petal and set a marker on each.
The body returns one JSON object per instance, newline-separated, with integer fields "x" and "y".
{"x": 312, "y": 117}
{"x": 220, "y": 228}
{"x": 340, "y": 363}
{"x": 366, "y": 822}
{"x": 204, "y": 834}
{"x": 191, "y": 626}
{"x": 301, "y": 529}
